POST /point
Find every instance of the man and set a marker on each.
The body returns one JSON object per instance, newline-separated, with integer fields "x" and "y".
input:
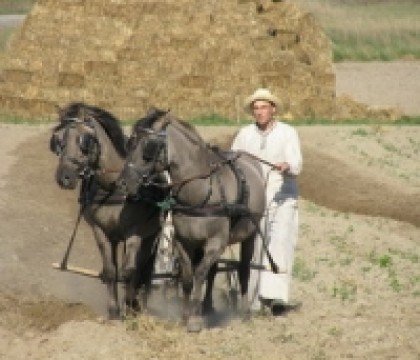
{"x": 278, "y": 143}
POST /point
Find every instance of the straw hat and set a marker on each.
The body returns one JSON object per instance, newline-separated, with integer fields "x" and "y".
{"x": 261, "y": 94}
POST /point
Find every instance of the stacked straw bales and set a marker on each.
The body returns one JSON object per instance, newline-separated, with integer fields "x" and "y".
{"x": 195, "y": 57}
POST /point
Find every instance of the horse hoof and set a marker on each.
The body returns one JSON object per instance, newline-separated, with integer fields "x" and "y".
{"x": 195, "y": 324}
{"x": 208, "y": 309}
{"x": 133, "y": 306}
{"x": 114, "y": 314}
{"x": 246, "y": 316}
{"x": 107, "y": 276}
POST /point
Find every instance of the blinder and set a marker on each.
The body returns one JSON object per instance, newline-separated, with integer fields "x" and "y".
{"x": 87, "y": 142}
{"x": 89, "y": 146}
{"x": 56, "y": 145}
{"x": 151, "y": 149}
{"x": 154, "y": 148}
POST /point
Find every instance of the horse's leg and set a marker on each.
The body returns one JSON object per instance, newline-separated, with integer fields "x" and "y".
{"x": 129, "y": 272}
{"x": 146, "y": 279}
{"x": 186, "y": 279}
{"x": 208, "y": 297}
{"x": 247, "y": 249}
{"x": 145, "y": 265}
{"x": 109, "y": 270}
{"x": 213, "y": 250}
{"x": 132, "y": 247}
{"x": 105, "y": 249}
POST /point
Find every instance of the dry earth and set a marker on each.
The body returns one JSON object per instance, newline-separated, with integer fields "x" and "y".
{"x": 381, "y": 84}
{"x": 357, "y": 261}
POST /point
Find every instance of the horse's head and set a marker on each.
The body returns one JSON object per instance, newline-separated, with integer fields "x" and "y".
{"x": 147, "y": 153}
{"x": 75, "y": 143}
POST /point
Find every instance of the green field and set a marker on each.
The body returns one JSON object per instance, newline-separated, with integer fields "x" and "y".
{"x": 15, "y": 6}
{"x": 215, "y": 120}
{"x": 369, "y": 30}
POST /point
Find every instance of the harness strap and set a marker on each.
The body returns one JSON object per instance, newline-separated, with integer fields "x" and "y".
{"x": 63, "y": 264}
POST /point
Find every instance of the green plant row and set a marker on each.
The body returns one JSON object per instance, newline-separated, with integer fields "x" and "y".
{"x": 369, "y": 30}
{"x": 215, "y": 120}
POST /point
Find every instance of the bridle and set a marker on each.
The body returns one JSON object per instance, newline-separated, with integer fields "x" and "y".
{"x": 155, "y": 154}
{"x": 87, "y": 142}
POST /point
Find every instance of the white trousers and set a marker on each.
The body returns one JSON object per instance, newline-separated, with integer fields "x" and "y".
{"x": 280, "y": 226}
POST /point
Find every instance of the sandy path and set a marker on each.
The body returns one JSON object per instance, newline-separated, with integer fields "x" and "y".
{"x": 381, "y": 84}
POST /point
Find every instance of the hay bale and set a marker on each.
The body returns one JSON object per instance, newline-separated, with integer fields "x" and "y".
{"x": 192, "y": 57}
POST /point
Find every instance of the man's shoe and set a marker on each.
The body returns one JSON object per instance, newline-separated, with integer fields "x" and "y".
{"x": 279, "y": 307}
{"x": 278, "y": 310}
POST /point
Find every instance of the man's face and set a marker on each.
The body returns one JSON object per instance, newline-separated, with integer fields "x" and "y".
{"x": 263, "y": 112}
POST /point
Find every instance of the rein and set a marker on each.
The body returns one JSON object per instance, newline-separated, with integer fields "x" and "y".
{"x": 213, "y": 169}
{"x": 242, "y": 152}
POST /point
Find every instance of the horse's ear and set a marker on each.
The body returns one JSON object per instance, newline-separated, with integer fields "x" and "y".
{"x": 59, "y": 110}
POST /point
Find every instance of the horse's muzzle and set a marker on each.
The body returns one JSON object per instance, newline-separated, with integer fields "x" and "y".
{"x": 129, "y": 180}
{"x": 66, "y": 178}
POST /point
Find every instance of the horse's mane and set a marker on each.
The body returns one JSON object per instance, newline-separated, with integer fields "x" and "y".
{"x": 147, "y": 122}
{"x": 155, "y": 114}
{"x": 188, "y": 126}
{"x": 109, "y": 122}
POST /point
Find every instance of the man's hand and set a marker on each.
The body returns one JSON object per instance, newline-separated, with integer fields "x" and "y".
{"x": 282, "y": 167}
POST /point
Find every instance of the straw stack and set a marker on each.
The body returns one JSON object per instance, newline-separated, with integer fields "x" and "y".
{"x": 192, "y": 56}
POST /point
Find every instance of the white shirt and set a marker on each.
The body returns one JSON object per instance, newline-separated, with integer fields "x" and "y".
{"x": 278, "y": 144}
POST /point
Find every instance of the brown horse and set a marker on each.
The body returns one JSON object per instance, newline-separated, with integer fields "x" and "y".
{"x": 216, "y": 200}
{"x": 91, "y": 146}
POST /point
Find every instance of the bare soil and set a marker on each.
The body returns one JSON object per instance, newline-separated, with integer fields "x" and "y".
{"x": 393, "y": 84}
{"x": 357, "y": 261}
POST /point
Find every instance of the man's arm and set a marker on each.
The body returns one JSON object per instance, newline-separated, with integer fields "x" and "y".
{"x": 293, "y": 163}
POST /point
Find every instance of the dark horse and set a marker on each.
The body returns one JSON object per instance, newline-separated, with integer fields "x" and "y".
{"x": 91, "y": 146}
{"x": 217, "y": 199}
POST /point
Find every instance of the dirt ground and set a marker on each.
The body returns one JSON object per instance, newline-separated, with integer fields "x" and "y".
{"x": 381, "y": 84}
{"x": 357, "y": 261}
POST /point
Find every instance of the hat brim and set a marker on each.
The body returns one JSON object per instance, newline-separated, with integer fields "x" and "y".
{"x": 251, "y": 99}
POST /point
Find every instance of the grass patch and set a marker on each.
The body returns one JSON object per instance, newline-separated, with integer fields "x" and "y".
{"x": 369, "y": 30}
{"x": 345, "y": 291}
{"x": 385, "y": 261}
{"x": 12, "y": 119}
{"x": 301, "y": 271}
{"x": 15, "y": 6}
{"x": 216, "y": 120}
{"x": 351, "y": 45}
